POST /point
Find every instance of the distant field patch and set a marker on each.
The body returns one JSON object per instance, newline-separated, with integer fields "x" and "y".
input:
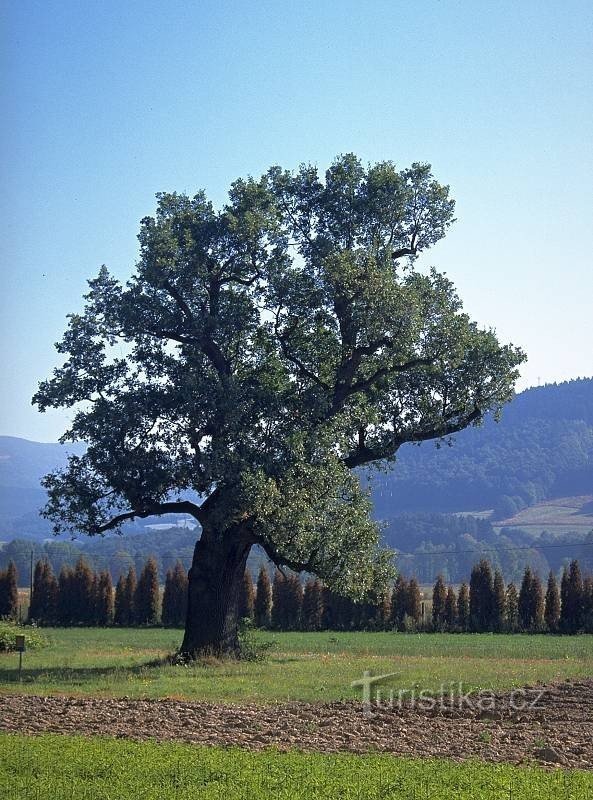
{"x": 561, "y": 515}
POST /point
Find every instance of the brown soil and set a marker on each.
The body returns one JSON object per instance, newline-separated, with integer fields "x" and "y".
{"x": 557, "y": 730}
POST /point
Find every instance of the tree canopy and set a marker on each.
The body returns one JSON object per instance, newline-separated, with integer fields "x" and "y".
{"x": 262, "y": 351}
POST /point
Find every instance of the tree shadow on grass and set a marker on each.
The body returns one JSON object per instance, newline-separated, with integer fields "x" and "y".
{"x": 65, "y": 674}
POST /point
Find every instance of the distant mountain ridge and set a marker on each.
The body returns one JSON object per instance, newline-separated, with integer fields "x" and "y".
{"x": 542, "y": 448}
{"x": 22, "y": 465}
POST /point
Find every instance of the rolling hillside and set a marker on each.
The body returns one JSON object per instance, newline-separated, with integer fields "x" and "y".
{"x": 542, "y": 448}
{"x": 501, "y": 485}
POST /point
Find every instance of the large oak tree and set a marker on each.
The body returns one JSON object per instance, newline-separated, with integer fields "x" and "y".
{"x": 256, "y": 357}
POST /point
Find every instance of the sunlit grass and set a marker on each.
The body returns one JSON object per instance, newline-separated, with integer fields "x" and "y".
{"x": 301, "y": 666}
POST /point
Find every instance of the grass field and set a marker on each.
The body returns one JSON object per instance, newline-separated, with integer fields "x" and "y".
{"x": 559, "y": 516}
{"x": 66, "y": 767}
{"x": 301, "y": 666}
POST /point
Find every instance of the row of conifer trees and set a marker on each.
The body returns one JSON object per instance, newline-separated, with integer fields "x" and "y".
{"x": 488, "y": 605}
{"x": 78, "y": 596}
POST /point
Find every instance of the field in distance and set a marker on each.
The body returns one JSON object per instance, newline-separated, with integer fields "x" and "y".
{"x": 299, "y": 666}
{"x": 559, "y": 516}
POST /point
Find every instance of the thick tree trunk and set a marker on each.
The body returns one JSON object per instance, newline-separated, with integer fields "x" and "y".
{"x": 215, "y": 577}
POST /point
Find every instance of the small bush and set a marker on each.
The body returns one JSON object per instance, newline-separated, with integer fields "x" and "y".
{"x": 34, "y": 639}
{"x": 250, "y": 649}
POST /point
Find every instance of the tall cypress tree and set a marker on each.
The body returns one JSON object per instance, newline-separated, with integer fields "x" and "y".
{"x": 146, "y": 596}
{"x": 9, "y": 595}
{"x": 571, "y": 591}
{"x": 439, "y": 598}
{"x": 104, "y": 600}
{"x": 279, "y": 616}
{"x": 81, "y": 593}
{"x": 552, "y": 604}
{"x": 174, "y": 604}
{"x": 499, "y": 602}
{"x": 399, "y": 602}
{"x": 383, "y": 614}
{"x": 481, "y": 597}
{"x": 263, "y": 599}
{"x": 131, "y": 617}
{"x": 180, "y": 581}
{"x": 50, "y": 594}
{"x": 512, "y": 609}
{"x": 168, "y": 602}
{"x": 66, "y": 611}
{"x": 526, "y": 600}
{"x": 328, "y": 622}
{"x": 463, "y": 609}
{"x": 294, "y": 602}
{"x": 37, "y": 605}
{"x": 414, "y": 602}
{"x": 246, "y": 608}
{"x": 531, "y": 602}
{"x": 450, "y": 610}
{"x": 312, "y": 617}
{"x": 588, "y": 604}
{"x": 120, "y": 610}
{"x": 345, "y": 613}
{"x": 538, "y": 604}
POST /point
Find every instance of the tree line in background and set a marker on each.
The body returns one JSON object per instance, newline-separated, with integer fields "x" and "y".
{"x": 427, "y": 545}
{"x": 79, "y": 596}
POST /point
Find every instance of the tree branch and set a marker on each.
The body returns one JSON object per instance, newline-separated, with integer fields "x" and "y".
{"x": 281, "y": 561}
{"x": 365, "y": 455}
{"x": 154, "y": 510}
{"x": 292, "y": 358}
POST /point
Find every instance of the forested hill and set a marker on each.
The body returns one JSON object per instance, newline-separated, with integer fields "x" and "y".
{"x": 541, "y": 448}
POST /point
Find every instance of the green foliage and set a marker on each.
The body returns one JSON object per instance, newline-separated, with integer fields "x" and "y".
{"x": 439, "y": 598}
{"x": 263, "y": 599}
{"x": 512, "y": 608}
{"x": 463, "y": 608}
{"x": 312, "y": 614}
{"x": 271, "y": 347}
{"x": 146, "y": 595}
{"x": 481, "y": 597}
{"x": 9, "y": 599}
{"x": 250, "y": 647}
{"x": 571, "y": 595}
{"x": 499, "y": 603}
{"x": 174, "y": 607}
{"x": 552, "y": 604}
{"x": 247, "y": 598}
{"x": 44, "y": 600}
{"x": 34, "y": 639}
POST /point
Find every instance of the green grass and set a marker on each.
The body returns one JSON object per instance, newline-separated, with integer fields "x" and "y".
{"x": 302, "y": 666}
{"x": 67, "y": 767}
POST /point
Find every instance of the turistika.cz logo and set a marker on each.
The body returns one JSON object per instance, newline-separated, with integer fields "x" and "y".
{"x": 376, "y": 695}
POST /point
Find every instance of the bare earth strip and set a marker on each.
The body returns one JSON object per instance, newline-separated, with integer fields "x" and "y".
{"x": 559, "y": 730}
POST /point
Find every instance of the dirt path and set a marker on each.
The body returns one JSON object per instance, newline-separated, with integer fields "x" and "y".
{"x": 555, "y": 729}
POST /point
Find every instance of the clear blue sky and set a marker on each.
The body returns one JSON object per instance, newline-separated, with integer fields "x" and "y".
{"x": 106, "y": 103}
